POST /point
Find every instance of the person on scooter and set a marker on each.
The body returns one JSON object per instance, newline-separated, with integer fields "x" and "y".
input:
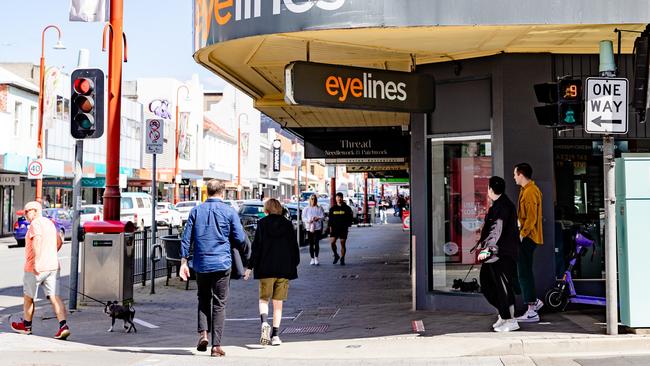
{"x": 499, "y": 244}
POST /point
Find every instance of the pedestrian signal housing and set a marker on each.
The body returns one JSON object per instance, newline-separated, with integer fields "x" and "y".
{"x": 563, "y": 103}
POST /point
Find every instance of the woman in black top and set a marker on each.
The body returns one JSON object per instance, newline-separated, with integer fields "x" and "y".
{"x": 499, "y": 244}
{"x": 274, "y": 260}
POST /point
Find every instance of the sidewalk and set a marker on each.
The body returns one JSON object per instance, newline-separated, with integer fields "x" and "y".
{"x": 335, "y": 315}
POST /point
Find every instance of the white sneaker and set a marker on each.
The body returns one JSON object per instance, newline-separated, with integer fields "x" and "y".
{"x": 507, "y": 326}
{"x": 529, "y": 316}
{"x": 312, "y": 262}
{"x": 275, "y": 341}
{"x": 538, "y": 305}
{"x": 265, "y": 334}
{"x": 316, "y": 261}
{"x": 498, "y": 323}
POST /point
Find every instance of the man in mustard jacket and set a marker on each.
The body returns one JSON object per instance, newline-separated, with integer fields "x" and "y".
{"x": 529, "y": 215}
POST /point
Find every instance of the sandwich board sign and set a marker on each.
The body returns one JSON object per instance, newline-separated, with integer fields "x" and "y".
{"x": 606, "y": 105}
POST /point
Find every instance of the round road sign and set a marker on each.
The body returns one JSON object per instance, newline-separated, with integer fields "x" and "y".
{"x": 35, "y": 169}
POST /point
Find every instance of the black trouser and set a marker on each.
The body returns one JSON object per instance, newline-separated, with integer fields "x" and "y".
{"x": 213, "y": 292}
{"x": 497, "y": 284}
{"x": 525, "y": 269}
{"x": 314, "y": 246}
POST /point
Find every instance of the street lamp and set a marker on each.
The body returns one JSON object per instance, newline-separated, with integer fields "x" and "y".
{"x": 176, "y": 180}
{"x": 239, "y": 187}
{"x": 41, "y": 92}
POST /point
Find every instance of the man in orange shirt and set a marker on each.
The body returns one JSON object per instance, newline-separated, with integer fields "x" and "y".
{"x": 529, "y": 215}
{"x": 42, "y": 243}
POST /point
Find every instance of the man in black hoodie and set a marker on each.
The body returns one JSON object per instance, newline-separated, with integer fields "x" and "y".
{"x": 340, "y": 219}
{"x": 274, "y": 259}
{"x": 499, "y": 244}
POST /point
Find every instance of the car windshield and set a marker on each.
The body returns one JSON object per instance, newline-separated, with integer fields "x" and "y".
{"x": 251, "y": 210}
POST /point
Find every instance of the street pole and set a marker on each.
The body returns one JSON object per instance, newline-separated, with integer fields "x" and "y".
{"x": 41, "y": 103}
{"x": 76, "y": 199}
{"x": 115, "y": 53}
{"x": 607, "y": 68}
{"x": 154, "y": 226}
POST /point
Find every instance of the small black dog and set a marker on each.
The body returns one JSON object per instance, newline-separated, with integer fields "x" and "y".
{"x": 466, "y": 286}
{"x": 117, "y": 311}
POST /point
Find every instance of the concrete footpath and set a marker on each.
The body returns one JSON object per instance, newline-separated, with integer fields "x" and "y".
{"x": 335, "y": 315}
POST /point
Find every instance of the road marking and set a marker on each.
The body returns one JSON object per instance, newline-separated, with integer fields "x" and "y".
{"x": 258, "y": 319}
{"x": 144, "y": 323}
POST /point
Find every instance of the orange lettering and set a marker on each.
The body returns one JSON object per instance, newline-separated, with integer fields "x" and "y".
{"x": 222, "y": 4}
{"x": 345, "y": 87}
{"x": 356, "y": 88}
{"x": 331, "y": 86}
{"x": 203, "y": 19}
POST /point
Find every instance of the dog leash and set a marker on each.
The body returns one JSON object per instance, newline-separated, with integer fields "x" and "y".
{"x": 90, "y": 297}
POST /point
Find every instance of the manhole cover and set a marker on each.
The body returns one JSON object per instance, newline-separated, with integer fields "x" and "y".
{"x": 306, "y": 329}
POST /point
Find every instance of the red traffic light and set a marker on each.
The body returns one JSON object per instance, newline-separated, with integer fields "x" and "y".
{"x": 83, "y": 86}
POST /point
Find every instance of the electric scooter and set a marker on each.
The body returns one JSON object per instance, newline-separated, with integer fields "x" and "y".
{"x": 564, "y": 292}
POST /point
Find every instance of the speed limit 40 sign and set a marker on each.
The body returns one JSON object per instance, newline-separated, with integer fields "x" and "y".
{"x": 35, "y": 169}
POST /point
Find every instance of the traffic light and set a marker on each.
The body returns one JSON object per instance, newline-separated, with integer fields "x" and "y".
{"x": 563, "y": 103}
{"x": 87, "y": 103}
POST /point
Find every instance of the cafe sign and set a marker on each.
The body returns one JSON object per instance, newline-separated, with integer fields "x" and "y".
{"x": 9, "y": 180}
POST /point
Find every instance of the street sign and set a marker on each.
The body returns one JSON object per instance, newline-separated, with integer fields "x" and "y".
{"x": 277, "y": 144}
{"x": 35, "y": 170}
{"x": 154, "y": 136}
{"x": 606, "y": 106}
{"x": 367, "y": 168}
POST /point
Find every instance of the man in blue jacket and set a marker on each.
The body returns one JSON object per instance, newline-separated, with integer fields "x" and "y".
{"x": 211, "y": 228}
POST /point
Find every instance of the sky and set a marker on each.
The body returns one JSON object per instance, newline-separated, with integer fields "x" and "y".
{"x": 158, "y": 32}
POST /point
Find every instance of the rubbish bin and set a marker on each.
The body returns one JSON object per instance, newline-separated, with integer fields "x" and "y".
{"x": 107, "y": 262}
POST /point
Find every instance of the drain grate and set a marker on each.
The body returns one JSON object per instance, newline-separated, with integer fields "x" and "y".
{"x": 350, "y": 276}
{"x": 306, "y": 329}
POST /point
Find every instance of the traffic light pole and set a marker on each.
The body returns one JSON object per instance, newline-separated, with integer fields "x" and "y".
{"x": 607, "y": 69}
{"x": 76, "y": 221}
{"x": 115, "y": 53}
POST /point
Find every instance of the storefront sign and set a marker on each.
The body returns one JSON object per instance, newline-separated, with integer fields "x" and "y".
{"x": 338, "y": 86}
{"x": 357, "y": 145}
{"x": 9, "y": 180}
{"x": 277, "y": 144}
{"x": 367, "y": 168}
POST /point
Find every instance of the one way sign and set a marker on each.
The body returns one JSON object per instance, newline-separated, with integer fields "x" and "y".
{"x": 606, "y": 106}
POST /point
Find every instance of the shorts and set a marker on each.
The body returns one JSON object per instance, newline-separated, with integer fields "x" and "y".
{"x": 275, "y": 288}
{"x": 48, "y": 280}
{"x": 340, "y": 233}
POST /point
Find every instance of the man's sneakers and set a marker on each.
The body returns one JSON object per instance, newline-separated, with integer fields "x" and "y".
{"x": 275, "y": 341}
{"x": 63, "y": 333}
{"x": 316, "y": 263}
{"x": 19, "y": 327}
{"x": 530, "y": 316}
{"x": 508, "y": 325}
{"x": 538, "y": 305}
{"x": 336, "y": 258}
{"x": 312, "y": 262}
{"x": 265, "y": 334}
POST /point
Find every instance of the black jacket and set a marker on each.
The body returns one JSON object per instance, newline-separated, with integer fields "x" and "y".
{"x": 275, "y": 249}
{"x": 340, "y": 217}
{"x": 500, "y": 228}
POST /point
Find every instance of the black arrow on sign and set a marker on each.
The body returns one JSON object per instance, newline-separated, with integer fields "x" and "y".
{"x": 599, "y": 121}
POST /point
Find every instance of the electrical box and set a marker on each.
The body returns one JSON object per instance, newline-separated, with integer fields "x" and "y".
{"x": 632, "y": 217}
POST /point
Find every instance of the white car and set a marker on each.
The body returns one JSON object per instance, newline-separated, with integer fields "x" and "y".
{"x": 166, "y": 214}
{"x": 136, "y": 207}
{"x": 185, "y": 207}
{"x": 91, "y": 213}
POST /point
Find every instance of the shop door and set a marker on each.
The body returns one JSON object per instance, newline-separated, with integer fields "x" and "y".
{"x": 6, "y": 210}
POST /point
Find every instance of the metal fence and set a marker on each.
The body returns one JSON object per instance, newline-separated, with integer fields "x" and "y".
{"x": 143, "y": 245}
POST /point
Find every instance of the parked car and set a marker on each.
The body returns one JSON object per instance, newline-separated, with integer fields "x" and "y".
{"x": 136, "y": 207}
{"x": 91, "y": 213}
{"x": 252, "y": 210}
{"x": 21, "y": 225}
{"x": 185, "y": 207}
{"x": 167, "y": 215}
{"x": 62, "y": 219}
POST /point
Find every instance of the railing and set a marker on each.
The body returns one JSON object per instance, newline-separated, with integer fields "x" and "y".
{"x": 142, "y": 260}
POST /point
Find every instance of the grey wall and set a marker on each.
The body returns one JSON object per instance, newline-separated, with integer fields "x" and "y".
{"x": 516, "y": 137}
